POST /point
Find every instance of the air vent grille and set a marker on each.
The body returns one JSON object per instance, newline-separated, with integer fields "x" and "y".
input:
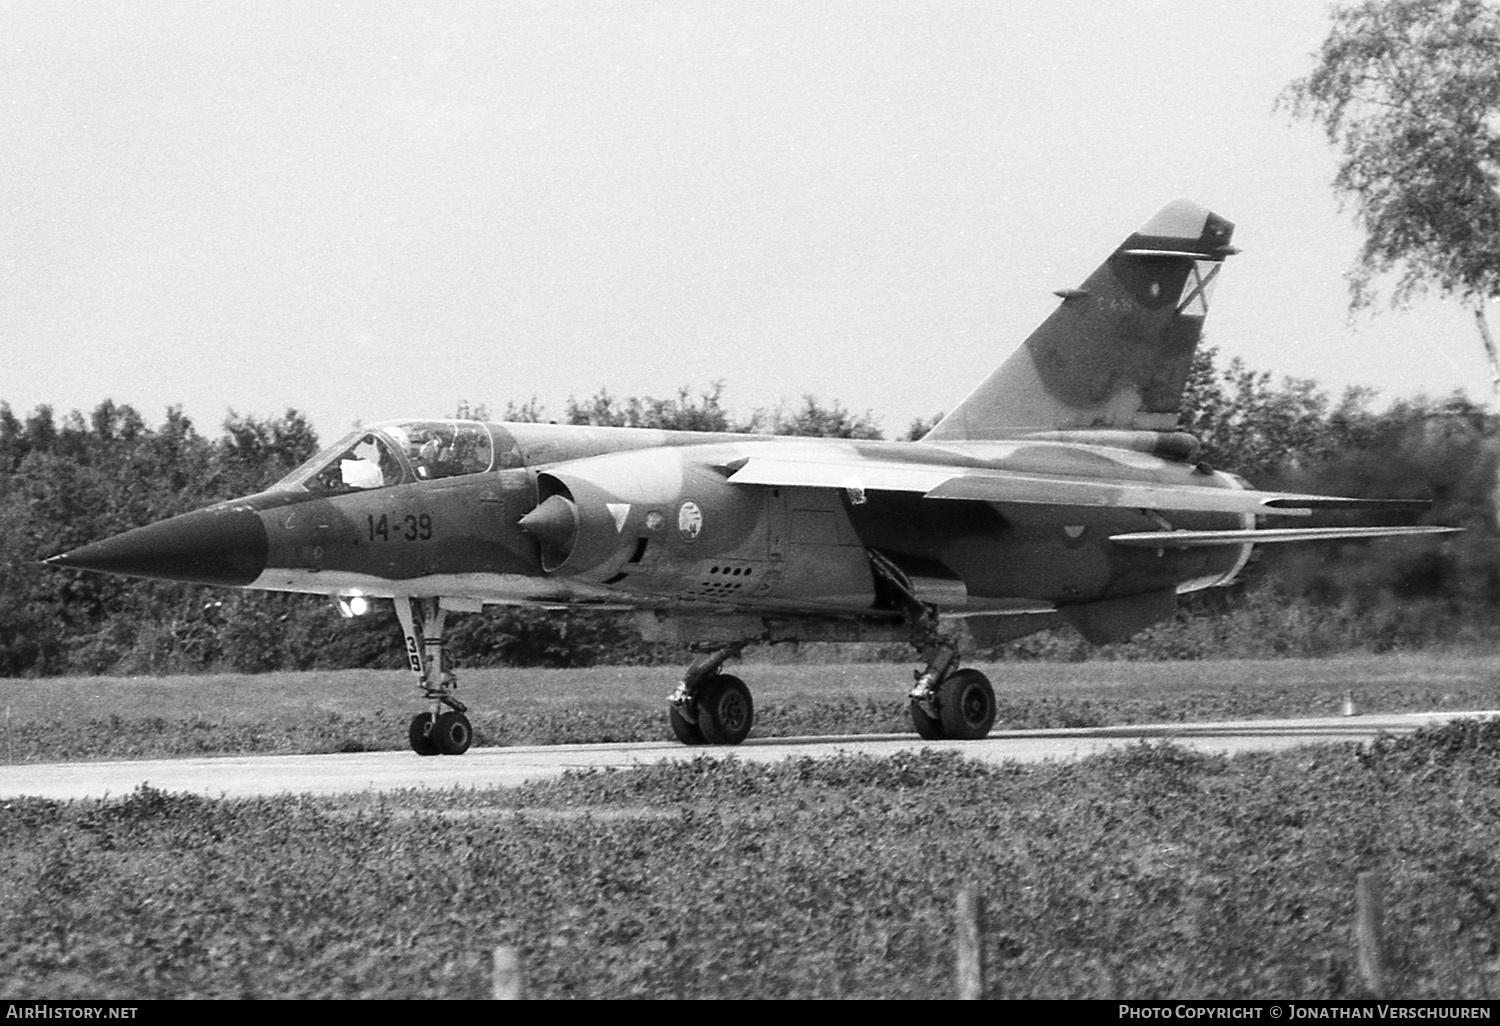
{"x": 722, "y": 579}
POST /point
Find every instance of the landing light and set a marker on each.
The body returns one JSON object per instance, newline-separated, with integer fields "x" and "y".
{"x": 350, "y": 606}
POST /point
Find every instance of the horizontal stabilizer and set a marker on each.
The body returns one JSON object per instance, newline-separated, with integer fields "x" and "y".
{"x": 1202, "y": 539}
{"x": 977, "y": 484}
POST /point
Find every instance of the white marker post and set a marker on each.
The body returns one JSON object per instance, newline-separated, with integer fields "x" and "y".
{"x": 507, "y": 984}
{"x": 1370, "y": 932}
{"x": 968, "y": 941}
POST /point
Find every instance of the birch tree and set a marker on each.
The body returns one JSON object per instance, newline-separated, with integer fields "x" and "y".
{"x": 1408, "y": 92}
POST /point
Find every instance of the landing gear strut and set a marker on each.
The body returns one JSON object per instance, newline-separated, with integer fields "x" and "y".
{"x": 946, "y": 702}
{"x": 444, "y": 730}
{"x": 710, "y": 707}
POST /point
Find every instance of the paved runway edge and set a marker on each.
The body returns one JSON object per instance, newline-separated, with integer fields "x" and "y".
{"x": 266, "y": 775}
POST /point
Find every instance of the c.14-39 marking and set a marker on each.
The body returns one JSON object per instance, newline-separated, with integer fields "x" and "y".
{"x": 411, "y": 527}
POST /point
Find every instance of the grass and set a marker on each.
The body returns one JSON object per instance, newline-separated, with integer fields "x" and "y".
{"x": 58, "y": 719}
{"x": 1152, "y": 872}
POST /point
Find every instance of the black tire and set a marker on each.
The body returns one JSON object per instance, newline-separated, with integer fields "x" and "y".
{"x": 420, "y": 735}
{"x": 452, "y": 734}
{"x": 725, "y": 710}
{"x": 967, "y": 704}
{"x": 687, "y": 733}
{"x": 928, "y": 729}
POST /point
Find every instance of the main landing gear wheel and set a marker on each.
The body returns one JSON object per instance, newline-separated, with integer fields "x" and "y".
{"x": 420, "y": 734}
{"x": 965, "y": 709}
{"x": 725, "y": 710}
{"x": 687, "y": 733}
{"x": 966, "y": 703}
{"x": 927, "y": 728}
{"x": 709, "y": 707}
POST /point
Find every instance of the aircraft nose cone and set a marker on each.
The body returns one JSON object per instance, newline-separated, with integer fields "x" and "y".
{"x": 209, "y": 546}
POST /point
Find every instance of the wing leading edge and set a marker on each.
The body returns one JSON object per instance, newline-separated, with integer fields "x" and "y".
{"x": 1204, "y": 539}
{"x": 934, "y": 481}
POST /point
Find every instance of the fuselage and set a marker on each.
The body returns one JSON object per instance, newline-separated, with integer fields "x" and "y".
{"x": 648, "y": 519}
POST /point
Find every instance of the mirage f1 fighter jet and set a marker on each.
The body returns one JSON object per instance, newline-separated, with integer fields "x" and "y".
{"x": 1061, "y": 490}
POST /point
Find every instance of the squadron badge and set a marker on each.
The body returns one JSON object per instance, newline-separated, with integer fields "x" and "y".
{"x": 689, "y": 520}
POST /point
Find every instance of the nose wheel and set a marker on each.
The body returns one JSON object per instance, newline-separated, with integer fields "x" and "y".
{"x": 447, "y": 734}
{"x": 420, "y": 734}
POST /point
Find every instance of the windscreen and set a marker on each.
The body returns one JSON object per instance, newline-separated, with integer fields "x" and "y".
{"x": 364, "y": 459}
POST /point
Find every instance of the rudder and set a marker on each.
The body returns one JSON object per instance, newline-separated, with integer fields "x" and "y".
{"x": 1116, "y": 352}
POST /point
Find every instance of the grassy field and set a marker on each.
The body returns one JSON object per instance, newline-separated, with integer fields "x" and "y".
{"x": 1152, "y": 872}
{"x": 57, "y": 719}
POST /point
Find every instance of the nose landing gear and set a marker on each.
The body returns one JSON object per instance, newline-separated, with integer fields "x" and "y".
{"x": 437, "y": 732}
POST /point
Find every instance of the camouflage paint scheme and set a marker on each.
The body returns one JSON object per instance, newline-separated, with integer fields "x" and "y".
{"x": 1060, "y": 490}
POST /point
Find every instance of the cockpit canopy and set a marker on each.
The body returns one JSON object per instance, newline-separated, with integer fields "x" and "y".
{"x": 396, "y": 452}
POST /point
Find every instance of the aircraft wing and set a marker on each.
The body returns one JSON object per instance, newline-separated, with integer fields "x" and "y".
{"x": 935, "y": 481}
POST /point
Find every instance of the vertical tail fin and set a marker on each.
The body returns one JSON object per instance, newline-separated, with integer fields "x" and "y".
{"x": 1115, "y": 354}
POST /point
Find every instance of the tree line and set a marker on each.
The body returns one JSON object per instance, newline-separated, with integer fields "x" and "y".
{"x": 66, "y": 481}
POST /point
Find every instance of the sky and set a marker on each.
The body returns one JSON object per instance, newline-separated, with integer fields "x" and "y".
{"x": 370, "y": 210}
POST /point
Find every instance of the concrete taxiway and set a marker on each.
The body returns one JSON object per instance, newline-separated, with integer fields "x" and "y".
{"x": 263, "y": 775}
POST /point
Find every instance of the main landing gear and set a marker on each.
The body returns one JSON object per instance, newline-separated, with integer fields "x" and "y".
{"x": 947, "y": 703}
{"x": 710, "y": 707}
{"x": 444, "y": 730}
